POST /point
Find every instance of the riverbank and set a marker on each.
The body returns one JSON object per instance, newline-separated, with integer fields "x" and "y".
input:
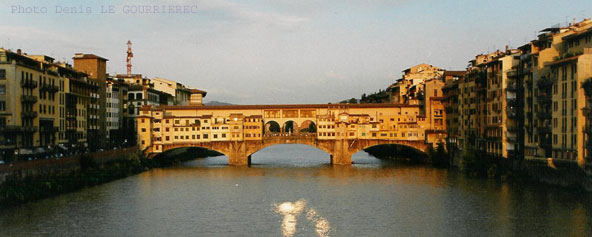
{"x": 561, "y": 173}
{"x": 33, "y": 180}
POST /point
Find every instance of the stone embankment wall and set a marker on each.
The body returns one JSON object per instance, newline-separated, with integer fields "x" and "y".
{"x": 21, "y": 170}
{"x": 562, "y": 173}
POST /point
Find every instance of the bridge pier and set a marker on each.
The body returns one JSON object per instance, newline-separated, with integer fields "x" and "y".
{"x": 341, "y": 154}
{"x": 235, "y": 159}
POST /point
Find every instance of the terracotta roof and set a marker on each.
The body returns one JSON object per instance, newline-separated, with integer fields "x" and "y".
{"x": 280, "y": 106}
{"x": 88, "y": 56}
{"x": 578, "y": 34}
{"x": 455, "y": 73}
{"x": 562, "y": 61}
{"x": 198, "y": 91}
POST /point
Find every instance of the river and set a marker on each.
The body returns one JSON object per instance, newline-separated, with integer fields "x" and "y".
{"x": 292, "y": 190}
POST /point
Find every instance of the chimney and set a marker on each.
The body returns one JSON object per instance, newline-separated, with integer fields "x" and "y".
{"x": 19, "y": 52}
{"x": 507, "y": 48}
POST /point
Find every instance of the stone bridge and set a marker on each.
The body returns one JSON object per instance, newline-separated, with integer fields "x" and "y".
{"x": 240, "y": 131}
{"x": 340, "y": 151}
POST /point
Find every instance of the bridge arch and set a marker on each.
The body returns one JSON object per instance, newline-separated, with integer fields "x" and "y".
{"x": 323, "y": 158}
{"x": 308, "y": 126}
{"x": 169, "y": 155}
{"x": 290, "y": 127}
{"x": 395, "y": 150}
{"x": 272, "y": 127}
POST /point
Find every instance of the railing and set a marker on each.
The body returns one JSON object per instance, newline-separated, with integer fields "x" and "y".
{"x": 511, "y": 87}
{"x": 29, "y": 129}
{"x": 28, "y": 114}
{"x": 28, "y": 99}
{"x": 511, "y": 139}
{"x": 544, "y": 98}
{"x": 29, "y": 83}
{"x": 50, "y": 88}
{"x": 48, "y": 129}
{"x": 544, "y": 130}
{"x": 512, "y": 128}
{"x": 290, "y": 135}
{"x": 11, "y": 128}
{"x": 513, "y": 73}
{"x": 543, "y": 115}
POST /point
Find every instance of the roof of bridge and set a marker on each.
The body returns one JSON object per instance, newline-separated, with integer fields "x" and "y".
{"x": 281, "y": 106}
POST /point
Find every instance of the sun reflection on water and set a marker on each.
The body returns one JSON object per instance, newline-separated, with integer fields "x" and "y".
{"x": 291, "y": 211}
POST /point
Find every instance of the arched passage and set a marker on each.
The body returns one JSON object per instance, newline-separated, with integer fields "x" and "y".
{"x": 272, "y": 127}
{"x": 308, "y": 126}
{"x": 290, "y": 127}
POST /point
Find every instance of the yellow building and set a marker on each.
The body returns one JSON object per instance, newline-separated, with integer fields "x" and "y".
{"x": 167, "y": 126}
{"x": 42, "y": 104}
{"x": 553, "y": 70}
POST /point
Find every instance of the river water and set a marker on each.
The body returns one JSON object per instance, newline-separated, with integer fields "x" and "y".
{"x": 292, "y": 190}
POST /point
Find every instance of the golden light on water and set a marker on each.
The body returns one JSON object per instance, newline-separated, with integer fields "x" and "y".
{"x": 291, "y": 211}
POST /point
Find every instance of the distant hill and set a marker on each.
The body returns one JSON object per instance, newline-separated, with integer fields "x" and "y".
{"x": 214, "y": 102}
{"x": 382, "y": 96}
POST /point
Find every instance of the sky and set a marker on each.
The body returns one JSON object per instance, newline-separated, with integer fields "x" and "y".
{"x": 280, "y": 51}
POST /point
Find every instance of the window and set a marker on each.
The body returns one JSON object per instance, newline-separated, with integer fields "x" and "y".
{"x": 2, "y": 90}
{"x": 2, "y": 105}
{"x": 2, "y": 74}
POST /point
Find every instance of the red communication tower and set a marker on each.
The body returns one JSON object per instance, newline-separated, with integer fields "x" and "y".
{"x": 130, "y": 55}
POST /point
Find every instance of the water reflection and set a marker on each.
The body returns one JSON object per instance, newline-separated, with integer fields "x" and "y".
{"x": 206, "y": 197}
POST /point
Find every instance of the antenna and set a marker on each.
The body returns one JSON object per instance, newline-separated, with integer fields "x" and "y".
{"x": 130, "y": 55}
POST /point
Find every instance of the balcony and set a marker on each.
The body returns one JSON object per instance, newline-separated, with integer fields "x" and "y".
{"x": 543, "y": 115}
{"x": 513, "y": 73}
{"x": 512, "y": 128}
{"x": 544, "y": 98}
{"x": 545, "y": 82}
{"x": 511, "y": 139}
{"x": 11, "y": 129}
{"x": 50, "y": 129}
{"x": 29, "y": 129}
{"x": 28, "y": 99}
{"x": 544, "y": 130}
{"x": 29, "y": 84}
{"x": 29, "y": 114}
{"x": 511, "y": 87}
{"x": 49, "y": 88}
